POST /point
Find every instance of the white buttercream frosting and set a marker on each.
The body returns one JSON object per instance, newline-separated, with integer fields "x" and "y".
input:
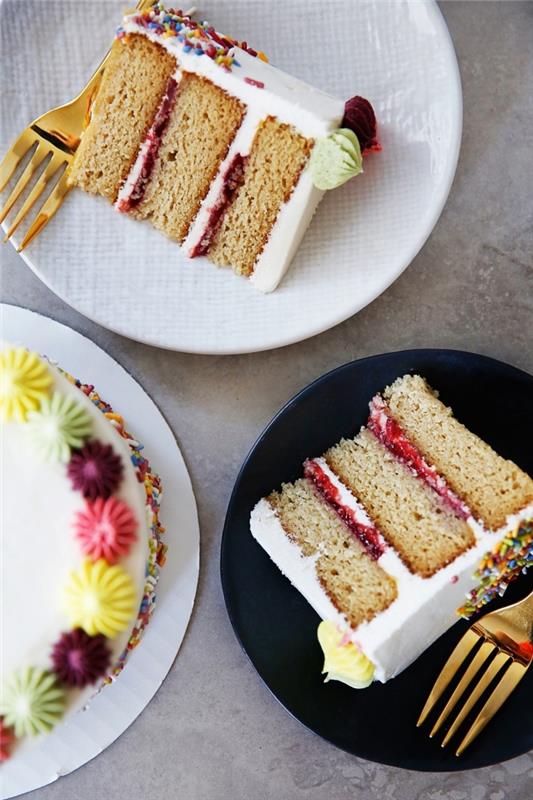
{"x": 299, "y": 569}
{"x": 311, "y": 112}
{"x": 38, "y": 545}
{"x": 424, "y": 608}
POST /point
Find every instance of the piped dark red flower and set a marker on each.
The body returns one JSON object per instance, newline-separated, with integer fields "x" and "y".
{"x": 359, "y": 117}
{"x": 80, "y": 659}
{"x": 7, "y": 737}
{"x": 95, "y": 470}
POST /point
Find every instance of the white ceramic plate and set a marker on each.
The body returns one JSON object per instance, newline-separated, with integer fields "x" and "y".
{"x": 83, "y": 735}
{"x": 127, "y": 277}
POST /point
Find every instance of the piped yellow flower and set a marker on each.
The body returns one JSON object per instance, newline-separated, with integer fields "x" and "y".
{"x": 100, "y": 598}
{"x": 343, "y": 661}
{"x": 24, "y": 382}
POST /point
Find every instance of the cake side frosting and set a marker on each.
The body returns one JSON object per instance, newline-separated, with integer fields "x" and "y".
{"x": 249, "y": 78}
{"x": 35, "y": 618}
{"x": 267, "y": 529}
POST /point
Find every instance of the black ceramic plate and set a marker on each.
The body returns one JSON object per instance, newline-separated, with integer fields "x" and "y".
{"x": 276, "y": 626}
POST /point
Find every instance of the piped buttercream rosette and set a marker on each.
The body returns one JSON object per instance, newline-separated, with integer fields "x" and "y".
{"x": 343, "y": 660}
{"x": 58, "y": 426}
{"x": 100, "y": 598}
{"x": 95, "y": 470}
{"x": 335, "y": 159}
{"x": 80, "y": 659}
{"x": 24, "y": 382}
{"x": 105, "y": 528}
{"x": 339, "y": 157}
{"x": 32, "y": 701}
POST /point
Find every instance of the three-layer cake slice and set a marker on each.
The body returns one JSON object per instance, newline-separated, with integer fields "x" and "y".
{"x": 225, "y": 154}
{"x": 384, "y": 532}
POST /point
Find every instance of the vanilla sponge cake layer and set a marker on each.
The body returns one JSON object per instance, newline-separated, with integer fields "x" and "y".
{"x": 410, "y": 516}
{"x": 355, "y": 584}
{"x": 202, "y": 125}
{"x": 492, "y": 486}
{"x": 277, "y": 157}
{"x": 133, "y": 84}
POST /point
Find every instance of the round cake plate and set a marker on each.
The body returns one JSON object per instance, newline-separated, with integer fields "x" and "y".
{"x": 127, "y": 277}
{"x": 83, "y": 735}
{"x": 277, "y": 627}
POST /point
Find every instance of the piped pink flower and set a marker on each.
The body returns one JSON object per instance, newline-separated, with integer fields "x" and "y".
{"x": 106, "y": 528}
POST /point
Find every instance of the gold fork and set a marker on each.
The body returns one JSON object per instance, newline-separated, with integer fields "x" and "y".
{"x": 55, "y": 136}
{"x": 506, "y": 652}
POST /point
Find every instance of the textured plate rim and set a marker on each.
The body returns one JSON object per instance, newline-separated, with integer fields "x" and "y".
{"x": 439, "y": 202}
{"x": 301, "y": 394}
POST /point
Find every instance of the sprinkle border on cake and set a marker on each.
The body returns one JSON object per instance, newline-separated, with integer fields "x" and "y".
{"x": 157, "y": 548}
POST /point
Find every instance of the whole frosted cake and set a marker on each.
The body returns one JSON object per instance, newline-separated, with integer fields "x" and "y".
{"x": 391, "y": 534}
{"x": 80, "y": 542}
{"x": 229, "y": 156}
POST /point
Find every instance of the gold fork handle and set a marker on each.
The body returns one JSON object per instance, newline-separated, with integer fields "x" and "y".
{"x": 528, "y": 604}
{"x": 522, "y": 611}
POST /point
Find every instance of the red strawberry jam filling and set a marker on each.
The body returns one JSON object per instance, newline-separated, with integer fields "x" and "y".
{"x": 367, "y": 534}
{"x": 392, "y": 435}
{"x": 231, "y": 182}
{"x": 151, "y": 147}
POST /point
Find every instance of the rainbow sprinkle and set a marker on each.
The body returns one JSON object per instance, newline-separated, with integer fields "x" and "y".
{"x": 512, "y": 556}
{"x": 199, "y": 38}
{"x": 157, "y": 549}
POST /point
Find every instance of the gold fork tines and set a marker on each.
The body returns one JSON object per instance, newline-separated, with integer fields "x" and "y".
{"x": 53, "y": 166}
{"x": 55, "y": 137}
{"x": 501, "y": 644}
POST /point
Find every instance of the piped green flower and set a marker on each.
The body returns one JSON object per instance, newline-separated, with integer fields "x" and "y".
{"x": 60, "y": 425}
{"x": 32, "y": 702}
{"x": 335, "y": 159}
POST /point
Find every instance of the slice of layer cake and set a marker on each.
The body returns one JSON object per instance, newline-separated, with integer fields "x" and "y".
{"x": 80, "y": 541}
{"x": 219, "y": 150}
{"x": 385, "y": 531}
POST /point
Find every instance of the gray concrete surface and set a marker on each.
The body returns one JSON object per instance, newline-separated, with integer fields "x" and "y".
{"x": 213, "y": 732}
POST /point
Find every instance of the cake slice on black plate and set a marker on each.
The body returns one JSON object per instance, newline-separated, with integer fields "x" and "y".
{"x": 386, "y": 533}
